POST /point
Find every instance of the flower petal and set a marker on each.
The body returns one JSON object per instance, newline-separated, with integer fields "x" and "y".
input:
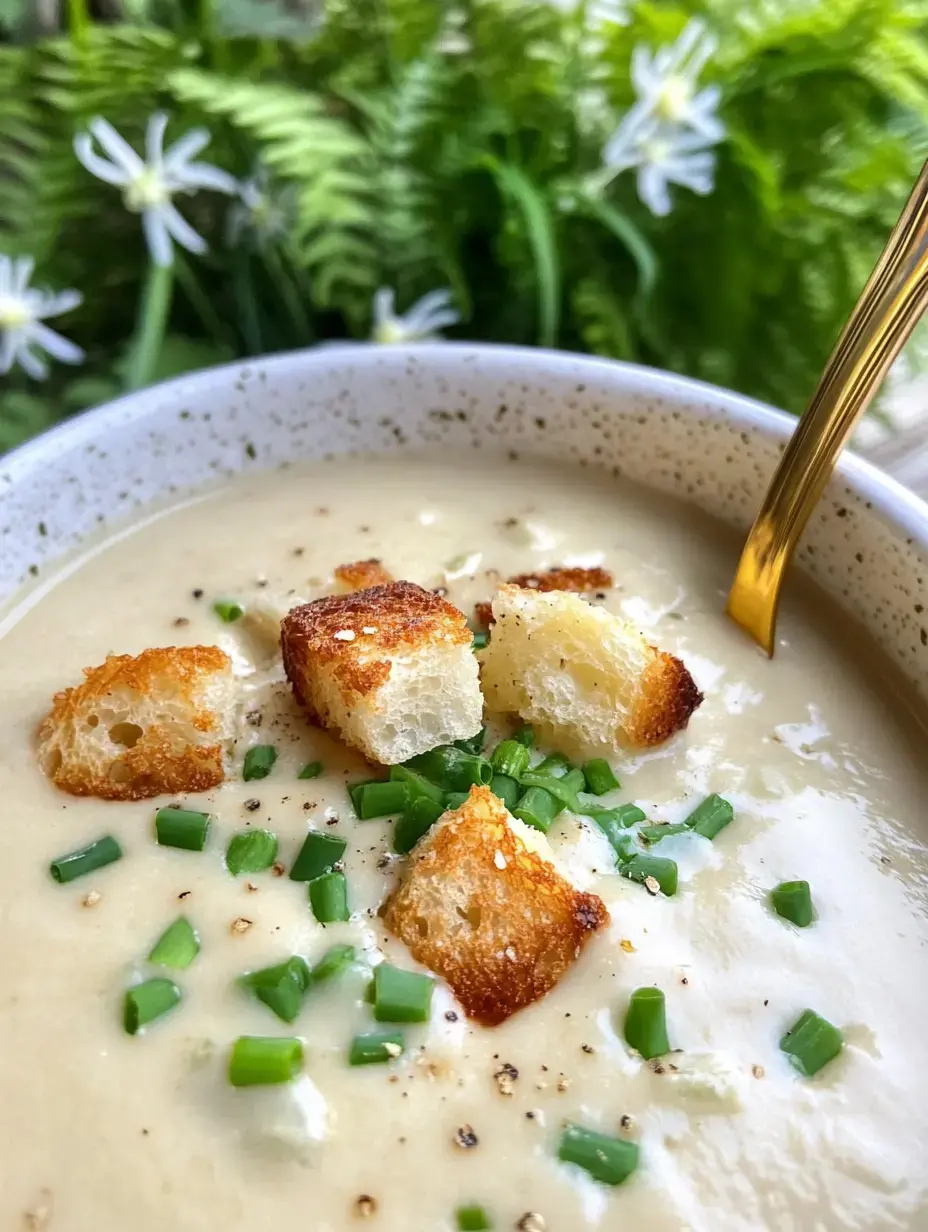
{"x": 186, "y": 148}
{"x": 6, "y": 274}
{"x": 7, "y": 349}
{"x": 154, "y": 139}
{"x": 383, "y": 307}
{"x": 21, "y": 275}
{"x": 106, "y": 171}
{"x": 652, "y": 189}
{"x": 181, "y": 230}
{"x": 53, "y": 305}
{"x": 33, "y": 365}
{"x": 56, "y": 345}
{"x": 119, "y": 150}
{"x": 201, "y": 175}
{"x": 420, "y": 314}
{"x": 157, "y": 237}
{"x": 643, "y": 76}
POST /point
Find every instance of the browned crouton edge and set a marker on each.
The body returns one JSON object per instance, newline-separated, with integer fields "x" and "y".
{"x": 580, "y": 581}
{"x": 667, "y": 697}
{"x": 523, "y": 925}
{"x": 363, "y": 574}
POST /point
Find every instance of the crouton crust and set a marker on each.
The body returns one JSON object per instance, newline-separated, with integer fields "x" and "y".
{"x": 667, "y": 698}
{"x": 157, "y": 763}
{"x": 379, "y": 619}
{"x": 580, "y": 581}
{"x": 487, "y": 913}
{"x": 362, "y": 574}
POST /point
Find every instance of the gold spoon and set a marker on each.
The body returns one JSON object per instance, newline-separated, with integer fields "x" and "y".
{"x": 894, "y": 298}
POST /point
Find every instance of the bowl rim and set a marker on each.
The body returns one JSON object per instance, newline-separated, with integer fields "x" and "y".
{"x": 888, "y": 496}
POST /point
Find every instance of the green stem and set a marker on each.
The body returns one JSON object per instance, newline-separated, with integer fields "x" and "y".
{"x": 78, "y": 20}
{"x": 247, "y": 306}
{"x": 200, "y": 302}
{"x": 289, "y": 293}
{"x": 150, "y": 326}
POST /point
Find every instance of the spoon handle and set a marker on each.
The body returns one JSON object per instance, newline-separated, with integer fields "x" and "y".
{"x": 889, "y": 307}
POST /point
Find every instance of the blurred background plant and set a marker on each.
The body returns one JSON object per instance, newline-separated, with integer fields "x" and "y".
{"x": 701, "y": 185}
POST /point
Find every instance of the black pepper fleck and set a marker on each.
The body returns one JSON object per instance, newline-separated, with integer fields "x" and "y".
{"x": 451, "y": 1015}
{"x": 465, "y": 1137}
{"x": 252, "y": 805}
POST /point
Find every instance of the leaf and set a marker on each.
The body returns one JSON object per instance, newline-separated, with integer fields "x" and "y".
{"x": 178, "y": 355}
{"x": 629, "y": 236}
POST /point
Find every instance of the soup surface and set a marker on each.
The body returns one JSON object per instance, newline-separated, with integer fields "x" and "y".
{"x": 825, "y": 768}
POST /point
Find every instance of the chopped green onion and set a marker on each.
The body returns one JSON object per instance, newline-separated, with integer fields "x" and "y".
{"x": 642, "y": 867}
{"x": 599, "y": 777}
{"x": 85, "y": 860}
{"x": 282, "y": 987}
{"x": 525, "y": 735}
{"x": 611, "y": 824}
{"x": 607, "y": 1159}
{"x": 481, "y": 640}
{"x": 473, "y": 1219}
{"x": 328, "y": 897}
{"x": 472, "y": 745}
{"x": 258, "y": 762}
{"x": 376, "y": 1047}
{"x": 451, "y": 768}
{"x": 563, "y": 789}
{"x": 311, "y": 770}
{"x": 228, "y": 610}
{"x": 317, "y": 856}
{"x": 416, "y": 785}
{"x": 537, "y": 808}
{"x": 401, "y": 996}
{"x": 177, "y": 946}
{"x": 555, "y": 764}
{"x": 251, "y": 851}
{"x": 333, "y": 962}
{"x": 176, "y": 827}
{"x": 811, "y": 1043}
{"x": 259, "y": 1060}
{"x": 144, "y": 1003}
{"x": 355, "y": 789}
{"x": 793, "y": 901}
{"x": 711, "y": 816}
{"x": 454, "y": 799}
{"x": 654, "y": 834}
{"x": 418, "y": 818}
{"x": 510, "y": 758}
{"x": 382, "y": 800}
{"x": 506, "y": 788}
{"x": 646, "y": 1023}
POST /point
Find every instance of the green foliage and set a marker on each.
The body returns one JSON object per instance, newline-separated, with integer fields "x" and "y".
{"x": 427, "y": 143}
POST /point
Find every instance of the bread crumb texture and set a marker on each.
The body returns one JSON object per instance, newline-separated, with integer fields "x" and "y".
{"x": 559, "y": 577}
{"x": 390, "y": 669}
{"x": 141, "y": 726}
{"x": 501, "y": 931}
{"x": 362, "y": 575}
{"x": 581, "y": 674}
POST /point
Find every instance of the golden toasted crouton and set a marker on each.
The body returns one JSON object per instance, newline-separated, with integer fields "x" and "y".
{"x": 579, "y": 580}
{"x": 390, "y": 669}
{"x": 361, "y": 575}
{"x": 141, "y": 726}
{"x": 487, "y": 912}
{"x": 583, "y": 675}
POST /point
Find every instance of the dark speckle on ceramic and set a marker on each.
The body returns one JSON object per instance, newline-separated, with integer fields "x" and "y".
{"x": 867, "y": 543}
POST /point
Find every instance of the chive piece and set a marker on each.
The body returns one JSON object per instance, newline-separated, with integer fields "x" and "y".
{"x": 401, "y": 996}
{"x": 481, "y": 641}
{"x": 599, "y": 777}
{"x": 376, "y": 1047}
{"x": 144, "y": 1003}
{"x": 228, "y": 610}
{"x": 623, "y": 815}
{"x": 85, "y": 860}
{"x": 176, "y": 827}
{"x": 506, "y": 788}
{"x": 354, "y": 792}
{"x": 510, "y": 758}
{"x": 317, "y": 856}
{"x": 646, "y": 1023}
{"x": 607, "y": 1159}
{"x": 614, "y": 829}
{"x": 281, "y": 988}
{"x": 177, "y": 946}
{"x": 382, "y": 800}
{"x": 654, "y": 834}
{"x": 451, "y": 768}
{"x": 454, "y": 799}
{"x": 416, "y": 785}
{"x": 333, "y": 962}
{"x": 251, "y": 851}
{"x": 563, "y": 789}
{"x": 259, "y": 762}
{"x": 474, "y": 744}
{"x": 711, "y": 816}
{"x": 793, "y": 901}
{"x": 641, "y": 867}
{"x": 555, "y": 764}
{"x": 259, "y": 1060}
{"x": 311, "y": 770}
{"x": 473, "y": 1219}
{"x": 415, "y": 821}
{"x": 811, "y": 1042}
{"x": 328, "y": 897}
{"x": 537, "y": 808}
{"x": 525, "y": 735}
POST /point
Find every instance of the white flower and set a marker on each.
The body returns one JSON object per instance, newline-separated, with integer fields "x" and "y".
{"x": 666, "y": 84}
{"x": 148, "y": 185}
{"x": 662, "y": 154}
{"x": 433, "y": 312}
{"x": 22, "y": 311}
{"x": 263, "y": 209}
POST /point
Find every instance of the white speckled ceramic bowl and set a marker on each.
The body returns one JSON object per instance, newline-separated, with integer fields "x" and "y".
{"x": 867, "y": 544}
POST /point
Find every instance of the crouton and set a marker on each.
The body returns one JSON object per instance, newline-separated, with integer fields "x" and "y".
{"x": 390, "y": 669}
{"x": 579, "y": 580}
{"x": 584, "y": 676}
{"x": 140, "y": 726}
{"x": 483, "y": 908}
{"x": 361, "y": 575}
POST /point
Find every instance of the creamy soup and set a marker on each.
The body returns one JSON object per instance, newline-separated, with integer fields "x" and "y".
{"x": 823, "y": 764}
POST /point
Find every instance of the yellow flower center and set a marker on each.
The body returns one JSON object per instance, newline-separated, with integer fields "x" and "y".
{"x": 13, "y": 313}
{"x": 145, "y": 191}
{"x": 390, "y": 331}
{"x": 673, "y": 99}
